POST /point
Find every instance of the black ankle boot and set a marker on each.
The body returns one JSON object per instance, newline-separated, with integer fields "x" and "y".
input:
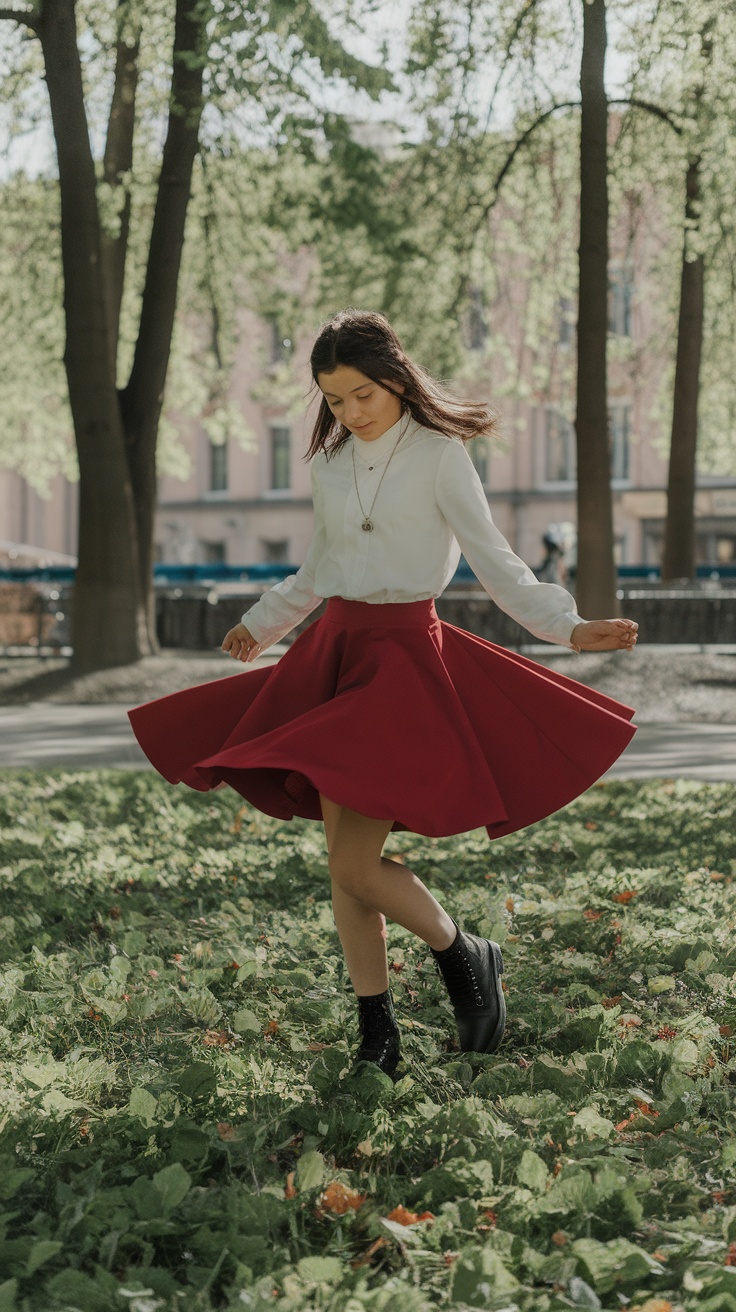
{"x": 471, "y": 968}
{"x": 380, "y": 1037}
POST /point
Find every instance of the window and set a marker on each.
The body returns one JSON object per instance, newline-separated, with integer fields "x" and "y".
{"x": 619, "y": 424}
{"x": 559, "y": 448}
{"x": 478, "y": 452}
{"x": 280, "y": 456}
{"x": 218, "y": 467}
{"x": 620, "y": 289}
{"x": 275, "y": 552}
{"x": 213, "y": 553}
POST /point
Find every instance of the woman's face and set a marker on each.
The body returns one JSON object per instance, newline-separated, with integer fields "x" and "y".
{"x": 364, "y": 407}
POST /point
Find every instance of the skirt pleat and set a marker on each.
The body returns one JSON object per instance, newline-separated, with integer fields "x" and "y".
{"x": 392, "y": 712}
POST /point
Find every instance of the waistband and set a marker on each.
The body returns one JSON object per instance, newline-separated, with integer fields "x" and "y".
{"x": 355, "y": 614}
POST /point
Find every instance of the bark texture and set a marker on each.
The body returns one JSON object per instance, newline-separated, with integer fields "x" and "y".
{"x": 108, "y": 616}
{"x": 113, "y": 620}
{"x": 678, "y": 559}
{"x": 596, "y": 570}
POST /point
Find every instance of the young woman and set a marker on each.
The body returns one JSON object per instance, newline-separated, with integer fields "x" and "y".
{"x": 380, "y": 716}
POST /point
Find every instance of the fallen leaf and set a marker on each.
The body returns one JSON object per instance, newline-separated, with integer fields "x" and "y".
{"x": 626, "y": 896}
{"x": 237, "y": 823}
{"x": 666, "y": 1032}
{"x": 289, "y": 1190}
{"x": 339, "y": 1198}
{"x": 403, "y": 1217}
{"x": 369, "y": 1252}
{"x": 216, "y": 1038}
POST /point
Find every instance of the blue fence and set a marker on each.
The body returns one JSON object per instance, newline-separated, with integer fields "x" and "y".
{"x": 175, "y": 574}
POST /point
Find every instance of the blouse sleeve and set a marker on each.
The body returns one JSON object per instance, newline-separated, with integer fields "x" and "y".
{"x": 289, "y": 602}
{"x": 546, "y": 609}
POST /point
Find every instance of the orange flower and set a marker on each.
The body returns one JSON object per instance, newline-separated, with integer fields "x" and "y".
{"x": 225, "y": 1130}
{"x": 591, "y": 915}
{"x": 626, "y": 896}
{"x": 730, "y": 1258}
{"x": 644, "y": 1108}
{"x": 510, "y": 903}
{"x": 559, "y": 1238}
{"x": 403, "y": 1217}
{"x": 272, "y": 1027}
{"x": 611, "y": 1002}
{"x": 339, "y": 1198}
{"x": 591, "y": 824}
{"x": 289, "y": 1190}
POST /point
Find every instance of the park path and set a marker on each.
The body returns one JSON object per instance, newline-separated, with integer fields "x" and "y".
{"x": 47, "y": 735}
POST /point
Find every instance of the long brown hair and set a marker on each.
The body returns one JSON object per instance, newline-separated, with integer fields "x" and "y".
{"x": 365, "y": 340}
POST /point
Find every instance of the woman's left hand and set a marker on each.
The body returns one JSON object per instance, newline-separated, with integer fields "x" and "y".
{"x": 604, "y": 635}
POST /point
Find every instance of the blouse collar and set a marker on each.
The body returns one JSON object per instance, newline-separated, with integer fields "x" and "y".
{"x": 373, "y": 450}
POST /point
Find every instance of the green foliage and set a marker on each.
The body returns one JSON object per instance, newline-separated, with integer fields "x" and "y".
{"x": 181, "y": 1117}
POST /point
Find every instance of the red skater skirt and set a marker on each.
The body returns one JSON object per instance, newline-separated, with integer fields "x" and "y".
{"x": 396, "y": 714}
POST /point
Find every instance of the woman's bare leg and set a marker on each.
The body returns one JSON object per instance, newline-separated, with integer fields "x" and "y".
{"x": 361, "y": 929}
{"x": 366, "y": 888}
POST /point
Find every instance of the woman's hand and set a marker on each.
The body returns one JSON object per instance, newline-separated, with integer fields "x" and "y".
{"x": 241, "y": 644}
{"x": 604, "y": 635}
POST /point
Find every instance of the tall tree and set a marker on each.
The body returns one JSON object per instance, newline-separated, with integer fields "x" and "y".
{"x": 678, "y": 556}
{"x": 596, "y": 569}
{"x": 116, "y": 427}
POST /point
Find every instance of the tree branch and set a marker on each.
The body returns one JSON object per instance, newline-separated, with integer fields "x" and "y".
{"x": 27, "y": 16}
{"x": 142, "y": 399}
{"x": 651, "y": 109}
{"x": 118, "y": 160}
{"x": 143, "y": 395}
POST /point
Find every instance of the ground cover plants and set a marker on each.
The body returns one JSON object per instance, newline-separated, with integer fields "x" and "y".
{"x": 180, "y": 1126}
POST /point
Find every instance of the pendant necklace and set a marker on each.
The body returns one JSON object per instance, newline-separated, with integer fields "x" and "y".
{"x": 367, "y": 524}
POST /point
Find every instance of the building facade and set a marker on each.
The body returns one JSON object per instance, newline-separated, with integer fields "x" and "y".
{"x": 244, "y": 506}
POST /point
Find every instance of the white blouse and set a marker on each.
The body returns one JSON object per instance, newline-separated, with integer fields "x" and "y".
{"x": 430, "y": 506}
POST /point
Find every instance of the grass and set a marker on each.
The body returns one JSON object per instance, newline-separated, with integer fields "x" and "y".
{"x": 181, "y": 1124}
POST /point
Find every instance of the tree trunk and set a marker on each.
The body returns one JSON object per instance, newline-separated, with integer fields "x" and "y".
{"x": 108, "y": 618}
{"x": 595, "y": 585}
{"x": 117, "y": 162}
{"x": 142, "y": 399}
{"x": 678, "y": 560}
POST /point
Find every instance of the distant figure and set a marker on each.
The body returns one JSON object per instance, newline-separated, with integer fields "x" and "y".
{"x": 552, "y": 568}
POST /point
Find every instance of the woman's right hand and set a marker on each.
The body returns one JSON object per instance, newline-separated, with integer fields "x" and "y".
{"x": 240, "y": 644}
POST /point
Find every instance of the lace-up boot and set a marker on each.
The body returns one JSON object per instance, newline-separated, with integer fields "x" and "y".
{"x": 380, "y": 1036}
{"x": 471, "y": 968}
